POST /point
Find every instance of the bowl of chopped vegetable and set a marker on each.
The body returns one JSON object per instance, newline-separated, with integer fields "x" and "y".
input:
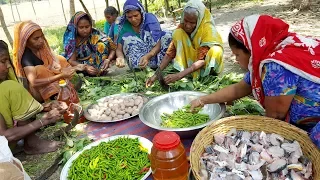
{"x": 170, "y": 112}
{"x": 115, "y": 157}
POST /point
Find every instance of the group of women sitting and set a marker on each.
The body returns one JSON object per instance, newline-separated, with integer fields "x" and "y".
{"x": 283, "y": 67}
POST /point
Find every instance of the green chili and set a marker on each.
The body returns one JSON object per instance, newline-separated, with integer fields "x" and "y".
{"x": 106, "y": 161}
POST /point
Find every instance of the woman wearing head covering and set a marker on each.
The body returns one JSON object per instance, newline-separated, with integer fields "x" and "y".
{"x": 110, "y": 28}
{"x": 283, "y": 72}
{"x": 85, "y": 45}
{"x": 35, "y": 64}
{"x": 18, "y": 107}
{"x": 196, "y": 47}
{"x": 140, "y": 40}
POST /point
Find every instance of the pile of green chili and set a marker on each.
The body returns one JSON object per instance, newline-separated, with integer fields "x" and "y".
{"x": 183, "y": 118}
{"x": 122, "y": 158}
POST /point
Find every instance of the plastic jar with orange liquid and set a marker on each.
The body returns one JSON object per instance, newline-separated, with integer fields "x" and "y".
{"x": 168, "y": 157}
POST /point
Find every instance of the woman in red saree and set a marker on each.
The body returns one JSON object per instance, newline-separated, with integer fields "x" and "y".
{"x": 284, "y": 72}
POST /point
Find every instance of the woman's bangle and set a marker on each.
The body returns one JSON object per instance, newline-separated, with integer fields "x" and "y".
{"x": 41, "y": 123}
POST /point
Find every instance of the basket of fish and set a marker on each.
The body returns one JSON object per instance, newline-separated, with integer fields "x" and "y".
{"x": 254, "y": 148}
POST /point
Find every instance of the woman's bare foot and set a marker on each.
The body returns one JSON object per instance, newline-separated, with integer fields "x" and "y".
{"x": 35, "y": 145}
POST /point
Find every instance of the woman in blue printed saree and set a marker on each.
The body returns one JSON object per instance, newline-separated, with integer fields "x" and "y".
{"x": 140, "y": 39}
{"x": 86, "y": 45}
{"x": 196, "y": 47}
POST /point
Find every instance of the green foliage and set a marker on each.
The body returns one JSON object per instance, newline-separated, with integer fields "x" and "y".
{"x": 100, "y": 25}
{"x": 54, "y": 37}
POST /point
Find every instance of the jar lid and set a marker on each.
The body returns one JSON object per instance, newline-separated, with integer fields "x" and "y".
{"x": 166, "y": 140}
{"x": 62, "y": 82}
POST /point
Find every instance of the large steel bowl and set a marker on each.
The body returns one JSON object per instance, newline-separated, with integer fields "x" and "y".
{"x": 150, "y": 113}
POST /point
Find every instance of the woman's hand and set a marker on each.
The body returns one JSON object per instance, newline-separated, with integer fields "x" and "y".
{"x": 68, "y": 72}
{"x": 195, "y": 104}
{"x": 91, "y": 70}
{"x": 150, "y": 81}
{"x": 171, "y": 78}
{"x": 120, "y": 62}
{"x": 51, "y": 117}
{"x": 80, "y": 67}
{"x": 144, "y": 61}
{"x": 105, "y": 65}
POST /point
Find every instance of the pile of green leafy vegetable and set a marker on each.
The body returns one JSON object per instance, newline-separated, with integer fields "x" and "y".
{"x": 95, "y": 88}
{"x": 183, "y": 118}
{"x": 122, "y": 158}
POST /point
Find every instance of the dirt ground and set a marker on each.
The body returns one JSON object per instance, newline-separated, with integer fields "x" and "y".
{"x": 306, "y": 23}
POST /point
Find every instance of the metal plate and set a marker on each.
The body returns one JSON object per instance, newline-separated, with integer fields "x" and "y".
{"x": 150, "y": 113}
{"x": 88, "y": 117}
{"x": 143, "y": 141}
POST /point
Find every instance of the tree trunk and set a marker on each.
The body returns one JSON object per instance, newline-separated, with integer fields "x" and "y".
{"x": 72, "y": 8}
{"x": 107, "y": 3}
{"x": 33, "y": 8}
{"x": 146, "y": 5}
{"x": 179, "y": 3}
{"x": 5, "y": 28}
{"x": 17, "y": 11}
{"x": 14, "y": 20}
{"x": 118, "y": 5}
{"x": 167, "y": 7}
{"x": 64, "y": 14}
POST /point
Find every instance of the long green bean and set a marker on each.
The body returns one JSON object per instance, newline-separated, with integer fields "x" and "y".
{"x": 122, "y": 158}
{"x": 183, "y": 118}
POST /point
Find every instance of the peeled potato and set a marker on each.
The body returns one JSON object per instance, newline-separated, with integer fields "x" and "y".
{"x": 120, "y": 116}
{"x": 113, "y": 114}
{"x": 135, "y": 112}
{"x": 107, "y": 112}
{"x": 103, "y": 117}
{"x": 137, "y": 102}
{"x": 108, "y": 118}
{"x": 126, "y": 115}
{"x": 129, "y": 110}
{"x": 92, "y": 111}
{"x": 119, "y": 112}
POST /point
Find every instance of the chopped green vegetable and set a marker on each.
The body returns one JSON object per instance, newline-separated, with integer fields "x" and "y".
{"x": 122, "y": 158}
{"x": 183, "y": 118}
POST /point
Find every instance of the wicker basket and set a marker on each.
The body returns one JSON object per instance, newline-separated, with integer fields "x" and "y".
{"x": 254, "y": 123}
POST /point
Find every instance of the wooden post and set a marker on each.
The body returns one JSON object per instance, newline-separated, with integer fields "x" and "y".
{"x": 118, "y": 6}
{"x": 72, "y": 8}
{"x": 95, "y": 11}
{"x": 84, "y": 7}
{"x": 33, "y": 9}
{"x": 210, "y": 1}
{"x": 14, "y": 20}
{"x": 107, "y": 3}
{"x": 17, "y": 11}
{"x": 5, "y": 28}
{"x": 64, "y": 15}
{"x": 167, "y": 7}
{"x": 179, "y": 3}
{"x": 146, "y": 5}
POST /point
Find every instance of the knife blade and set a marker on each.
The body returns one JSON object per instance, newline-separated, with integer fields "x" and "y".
{"x": 161, "y": 79}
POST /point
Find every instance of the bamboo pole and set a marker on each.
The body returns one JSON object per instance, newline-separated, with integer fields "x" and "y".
{"x": 14, "y": 20}
{"x": 17, "y": 10}
{"x": 64, "y": 14}
{"x": 146, "y": 5}
{"x": 107, "y": 3}
{"x": 118, "y": 5}
{"x": 72, "y": 8}
{"x": 95, "y": 11}
{"x": 34, "y": 10}
{"x": 5, "y": 28}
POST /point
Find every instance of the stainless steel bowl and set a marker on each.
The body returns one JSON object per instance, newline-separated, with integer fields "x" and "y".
{"x": 150, "y": 113}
